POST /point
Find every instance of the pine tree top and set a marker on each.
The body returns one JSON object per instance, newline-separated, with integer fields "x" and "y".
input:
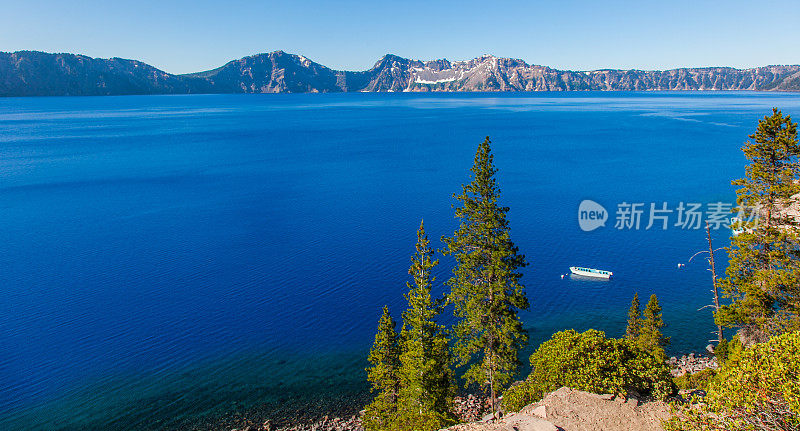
{"x": 652, "y": 313}
{"x": 422, "y": 261}
{"x": 773, "y": 161}
{"x": 652, "y": 305}
{"x": 634, "y": 327}
{"x": 652, "y": 323}
{"x": 484, "y": 225}
{"x": 483, "y": 170}
{"x": 421, "y": 307}
{"x": 384, "y": 356}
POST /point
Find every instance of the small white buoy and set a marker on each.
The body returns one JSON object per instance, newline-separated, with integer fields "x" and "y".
{"x": 562, "y": 276}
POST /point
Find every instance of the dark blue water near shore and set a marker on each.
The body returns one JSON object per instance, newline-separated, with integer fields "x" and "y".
{"x": 170, "y": 257}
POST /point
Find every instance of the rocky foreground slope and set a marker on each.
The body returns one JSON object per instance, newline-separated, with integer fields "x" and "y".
{"x": 32, "y": 73}
{"x": 570, "y": 410}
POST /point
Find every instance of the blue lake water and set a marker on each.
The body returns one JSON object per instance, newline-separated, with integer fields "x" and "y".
{"x": 170, "y": 257}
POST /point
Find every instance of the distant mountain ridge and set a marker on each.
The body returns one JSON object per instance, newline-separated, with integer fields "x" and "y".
{"x": 33, "y": 73}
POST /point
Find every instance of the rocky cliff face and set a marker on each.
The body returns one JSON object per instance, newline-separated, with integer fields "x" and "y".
{"x": 490, "y": 73}
{"x": 29, "y": 73}
{"x": 276, "y": 72}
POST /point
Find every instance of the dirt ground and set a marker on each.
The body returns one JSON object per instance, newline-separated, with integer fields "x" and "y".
{"x": 571, "y": 410}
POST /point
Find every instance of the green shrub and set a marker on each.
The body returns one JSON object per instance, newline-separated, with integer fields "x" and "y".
{"x": 756, "y": 390}
{"x": 727, "y": 349}
{"x": 698, "y": 380}
{"x": 590, "y": 362}
{"x": 682, "y": 382}
{"x": 519, "y": 396}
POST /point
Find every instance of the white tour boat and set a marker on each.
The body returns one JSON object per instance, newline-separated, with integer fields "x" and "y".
{"x": 590, "y": 272}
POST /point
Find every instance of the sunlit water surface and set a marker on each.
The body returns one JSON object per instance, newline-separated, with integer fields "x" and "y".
{"x": 168, "y": 258}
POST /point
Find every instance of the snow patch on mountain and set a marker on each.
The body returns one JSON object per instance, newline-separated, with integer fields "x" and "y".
{"x": 419, "y": 80}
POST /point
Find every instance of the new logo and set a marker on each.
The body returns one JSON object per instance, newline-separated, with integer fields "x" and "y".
{"x": 591, "y": 215}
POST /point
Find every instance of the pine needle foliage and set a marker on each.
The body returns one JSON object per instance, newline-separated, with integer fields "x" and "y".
{"x": 763, "y": 274}
{"x": 485, "y": 287}
{"x": 384, "y": 359}
{"x": 426, "y": 377}
{"x": 634, "y": 327}
{"x": 645, "y": 327}
{"x": 652, "y": 338}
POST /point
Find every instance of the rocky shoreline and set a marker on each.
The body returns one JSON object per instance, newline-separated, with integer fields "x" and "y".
{"x": 345, "y": 415}
{"x": 691, "y": 363}
{"x": 468, "y": 408}
{"x": 289, "y": 414}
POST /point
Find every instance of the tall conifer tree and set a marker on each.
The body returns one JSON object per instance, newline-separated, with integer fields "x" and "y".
{"x": 634, "y": 319}
{"x": 485, "y": 287}
{"x": 384, "y": 359}
{"x": 651, "y": 337}
{"x": 763, "y": 274}
{"x": 426, "y": 377}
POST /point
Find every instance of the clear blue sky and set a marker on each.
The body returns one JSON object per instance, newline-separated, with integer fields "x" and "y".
{"x": 189, "y": 36}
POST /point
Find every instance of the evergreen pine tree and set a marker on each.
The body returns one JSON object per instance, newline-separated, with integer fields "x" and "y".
{"x": 651, "y": 338}
{"x": 634, "y": 319}
{"x": 485, "y": 287}
{"x": 426, "y": 377}
{"x": 384, "y": 358}
{"x": 762, "y": 275}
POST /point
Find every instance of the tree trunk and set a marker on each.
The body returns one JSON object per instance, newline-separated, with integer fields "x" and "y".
{"x": 491, "y": 388}
{"x": 720, "y": 335}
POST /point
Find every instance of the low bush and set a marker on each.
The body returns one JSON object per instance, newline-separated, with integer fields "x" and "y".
{"x": 698, "y": 380}
{"x": 590, "y": 362}
{"x": 758, "y": 389}
{"x": 727, "y": 349}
